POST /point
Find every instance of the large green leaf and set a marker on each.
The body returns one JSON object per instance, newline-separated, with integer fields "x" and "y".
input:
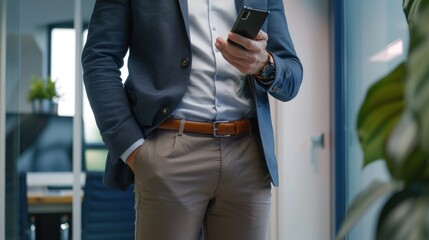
{"x": 411, "y": 8}
{"x": 363, "y": 201}
{"x": 379, "y": 113}
{"x": 417, "y": 77}
{"x": 405, "y": 215}
{"x": 405, "y": 156}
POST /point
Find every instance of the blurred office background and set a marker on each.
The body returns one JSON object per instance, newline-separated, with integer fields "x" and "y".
{"x": 344, "y": 45}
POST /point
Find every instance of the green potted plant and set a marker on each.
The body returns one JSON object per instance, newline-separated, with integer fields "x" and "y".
{"x": 43, "y": 95}
{"x": 393, "y": 125}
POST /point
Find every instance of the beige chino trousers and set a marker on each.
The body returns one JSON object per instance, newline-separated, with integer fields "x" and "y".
{"x": 184, "y": 181}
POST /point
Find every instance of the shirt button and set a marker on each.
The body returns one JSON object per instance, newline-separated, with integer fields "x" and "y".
{"x": 214, "y": 28}
{"x": 165, "y": 110}
{"x": 184, "y": 62}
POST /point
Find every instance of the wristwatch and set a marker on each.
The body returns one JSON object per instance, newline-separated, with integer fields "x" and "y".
{"x": 268, "y": 72}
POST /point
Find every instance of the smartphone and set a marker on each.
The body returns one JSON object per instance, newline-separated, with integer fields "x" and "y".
{"x": 248, "y": 23}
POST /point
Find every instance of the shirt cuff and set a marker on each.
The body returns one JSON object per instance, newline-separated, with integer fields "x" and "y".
{"x": 133, "y": 147}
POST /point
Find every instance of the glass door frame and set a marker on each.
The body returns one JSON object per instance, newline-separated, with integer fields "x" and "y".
{"x": 77, "y": 120}
{"x": 2, "y": 118}
{"x": 77, "y": 124}
{"x": 340, "y": 128}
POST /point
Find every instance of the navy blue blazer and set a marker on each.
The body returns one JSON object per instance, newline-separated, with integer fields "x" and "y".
{"x": 157, "y": 34}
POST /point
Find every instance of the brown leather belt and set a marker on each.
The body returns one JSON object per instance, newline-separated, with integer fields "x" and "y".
{"x": 216, "y": 129}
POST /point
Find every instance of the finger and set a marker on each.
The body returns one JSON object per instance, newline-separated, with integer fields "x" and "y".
{"x": 225, "y": 49}
{"x": 262, "y": 36}
{"x": 247, "y": 43}
{"x": 243, "y": 65}
{"x": 237, "y": 62}
{"x": 245, "y": 61}
{"x": 232, "y": 51}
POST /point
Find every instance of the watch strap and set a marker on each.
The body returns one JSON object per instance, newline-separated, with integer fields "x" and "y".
{"x": 267, "y": 72}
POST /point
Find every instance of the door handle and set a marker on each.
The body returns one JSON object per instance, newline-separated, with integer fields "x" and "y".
{"x": 317, "y": 142}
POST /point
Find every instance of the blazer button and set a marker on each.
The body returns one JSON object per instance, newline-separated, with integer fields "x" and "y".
{"x": 165, "y": 110}
{"x": 184, "y": 63}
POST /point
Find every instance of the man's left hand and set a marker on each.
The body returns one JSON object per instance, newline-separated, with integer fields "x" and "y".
{"x": 249, "y": 60}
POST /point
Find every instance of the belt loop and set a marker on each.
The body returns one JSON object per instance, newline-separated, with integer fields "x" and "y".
{"x": 181, "y": 127}
{"x": 249, "y": 126}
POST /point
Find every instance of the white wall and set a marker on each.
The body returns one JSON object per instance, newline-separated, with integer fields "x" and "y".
{"x": 304, "y": 195}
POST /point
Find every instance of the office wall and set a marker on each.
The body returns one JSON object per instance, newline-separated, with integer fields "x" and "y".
{"x": 304, "y": 195}
{"x": 31, "y": 64}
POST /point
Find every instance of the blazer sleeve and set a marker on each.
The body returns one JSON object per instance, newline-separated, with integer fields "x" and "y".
{"x": 289, "y": 71}
{"x": 102, "y": 57}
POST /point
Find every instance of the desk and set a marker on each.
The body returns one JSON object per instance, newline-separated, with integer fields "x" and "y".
{"x": 46, "y": 202}
{"x": 49, "y": 192}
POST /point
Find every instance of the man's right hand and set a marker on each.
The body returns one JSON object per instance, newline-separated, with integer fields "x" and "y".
{"x": 248, "y": 60}
{"x": 132, "y": 159}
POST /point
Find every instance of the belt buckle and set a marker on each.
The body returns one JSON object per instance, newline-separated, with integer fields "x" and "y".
{"x": 215, "y": 134}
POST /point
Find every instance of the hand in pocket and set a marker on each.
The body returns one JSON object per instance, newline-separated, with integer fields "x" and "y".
{"x": 131, "y": 160}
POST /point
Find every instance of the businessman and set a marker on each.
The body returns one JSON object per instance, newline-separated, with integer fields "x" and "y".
{"x": 191, "y": 125}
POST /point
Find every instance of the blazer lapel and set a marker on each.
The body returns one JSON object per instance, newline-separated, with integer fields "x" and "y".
{"x": 184, "y": 9}
{"x": 239, "y": 4}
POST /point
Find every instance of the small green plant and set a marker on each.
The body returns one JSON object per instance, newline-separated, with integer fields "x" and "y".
{"x": 42, "y": 89}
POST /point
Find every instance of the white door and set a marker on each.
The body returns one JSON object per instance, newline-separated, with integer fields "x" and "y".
{"x": 302, "y": 203}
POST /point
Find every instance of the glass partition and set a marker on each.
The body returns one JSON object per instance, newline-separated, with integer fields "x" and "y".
{"x": 39, "y": 138}
{"x": 12, "y": 143}
{"x": 2, "y": 116}
{"x": 376, "y": 40}
{"x": 41, "y": 53}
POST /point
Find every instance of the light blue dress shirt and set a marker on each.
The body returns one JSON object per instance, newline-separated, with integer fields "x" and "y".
{"x": 216, "y": 90}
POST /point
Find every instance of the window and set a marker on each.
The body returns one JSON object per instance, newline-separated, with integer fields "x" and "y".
{"x": 62, "y": 60}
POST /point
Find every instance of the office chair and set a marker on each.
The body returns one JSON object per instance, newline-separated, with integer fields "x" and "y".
{"x": 108, "y": 214}
{"x": 45, "y": 143}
